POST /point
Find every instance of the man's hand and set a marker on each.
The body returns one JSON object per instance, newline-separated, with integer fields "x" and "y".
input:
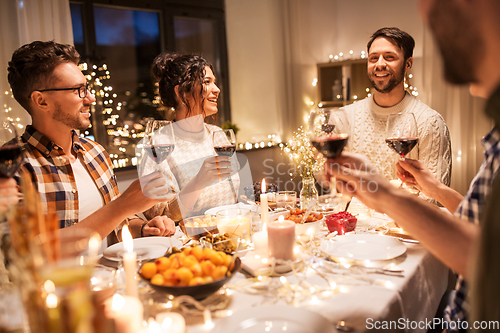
{"x": 159, "y": 226}
{"x": 358, "y": 178}
{"x": 415, "y": 173}
{"x": 156, "y": 186}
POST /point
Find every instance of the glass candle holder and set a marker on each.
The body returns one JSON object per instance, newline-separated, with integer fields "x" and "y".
{"x": 235, "y": 222}
{"x": 286, "y": 199}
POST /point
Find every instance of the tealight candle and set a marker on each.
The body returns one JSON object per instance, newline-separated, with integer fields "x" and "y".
{"x": 126, "y": 311}
{"x": 129, "y": 263}
{"x": 264, "y": 207}
{"x": 281, "y": 239}
{"x": 171, "y": 322}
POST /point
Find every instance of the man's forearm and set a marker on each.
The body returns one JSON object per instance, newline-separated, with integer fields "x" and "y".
{"x": 445, "y": 236}
{"x": 448, "y": 197}
{"x": 105, "y": 219}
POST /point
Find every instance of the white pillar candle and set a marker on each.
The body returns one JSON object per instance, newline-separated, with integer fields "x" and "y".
{"x": 126, "y": 311}
{"x": 171, "y": 322}
{"x": 129, "y": 263}
{"x": 264, "y": 213}
{"x": 281, "y": 239}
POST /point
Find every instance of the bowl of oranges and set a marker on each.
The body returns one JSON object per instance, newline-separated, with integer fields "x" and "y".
{"x": 194, "y": 271}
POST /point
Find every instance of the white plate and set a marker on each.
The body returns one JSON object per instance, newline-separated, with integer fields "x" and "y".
{"x": 213, "y": 211}
{"x": 364, "y": 247}
{"x": 145, "y": 247}
{"x": 274, "y": 319}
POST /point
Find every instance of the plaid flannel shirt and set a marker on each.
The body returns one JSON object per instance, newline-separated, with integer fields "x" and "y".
{"x": 470, "y": 208}
{"x": 53, "y": 175}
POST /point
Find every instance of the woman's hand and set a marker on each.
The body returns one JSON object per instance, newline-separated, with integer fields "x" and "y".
{"x": 214, "y": 169}
{"x": 415, "y": 173}
{"x": 9, "y": 195}
{"x": 159, "y": 226}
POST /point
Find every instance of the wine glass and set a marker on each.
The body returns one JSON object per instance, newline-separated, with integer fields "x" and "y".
{"x": 402, "y": 136}
{"x": 402, "y": 133}
{"x": 159, "y": 142}
{"x": 329, "y": 133}
{"x": 11, "y": 152}
{"x": 224, "y": 142}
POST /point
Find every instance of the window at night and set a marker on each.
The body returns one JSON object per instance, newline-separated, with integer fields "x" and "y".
{"x": 117, "y": 46}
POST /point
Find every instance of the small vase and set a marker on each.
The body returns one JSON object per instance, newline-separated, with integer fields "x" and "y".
{"x": 308, "y": 192}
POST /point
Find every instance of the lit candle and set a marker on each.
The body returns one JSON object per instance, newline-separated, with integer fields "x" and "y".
{"x": 281, "y": 239}
{"x": 129, "y": 263}
{"x": 260, "y": 240}
{"x": 264, "y": 214}
{"x": 171, "y": 322}
{"x": 126, "y": 311}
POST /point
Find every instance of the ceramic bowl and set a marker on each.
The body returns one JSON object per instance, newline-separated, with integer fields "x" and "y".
{"x": 197, "y": 292}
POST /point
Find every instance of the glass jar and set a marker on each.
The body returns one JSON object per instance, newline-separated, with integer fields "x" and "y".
{"x": 308, "y": 192}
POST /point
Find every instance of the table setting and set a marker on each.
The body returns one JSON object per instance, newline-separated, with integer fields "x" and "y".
{"x": 362, "y": 266}
{"x": 284, "y": 275}
{"x": 279, "y": 262}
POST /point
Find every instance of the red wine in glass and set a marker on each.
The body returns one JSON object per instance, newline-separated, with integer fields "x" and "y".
{"x": 402, "y": 145}
{"x": 402, "y": 133}
{"x": 225, "y": 150}
{"x": 159, "y": 140}
{"x": 330, "y": 146}
{"x": 11, "y": 157}
{"x": 328, "y": 131}
{"x": 224, "y": 142}
{"x": 159, "y": 152}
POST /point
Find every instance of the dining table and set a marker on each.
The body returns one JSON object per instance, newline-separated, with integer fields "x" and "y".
{"x": 400, "y": 294}
{"x": 362, "y": 299}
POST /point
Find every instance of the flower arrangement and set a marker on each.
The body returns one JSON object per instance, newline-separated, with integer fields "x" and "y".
{"x": 302, "y": 154}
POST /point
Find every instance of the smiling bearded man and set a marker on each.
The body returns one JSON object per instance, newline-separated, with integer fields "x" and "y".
{"x": 390, "y": 56}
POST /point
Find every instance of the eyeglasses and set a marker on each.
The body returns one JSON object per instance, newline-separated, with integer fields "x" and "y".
{"x": 82, "y": 90}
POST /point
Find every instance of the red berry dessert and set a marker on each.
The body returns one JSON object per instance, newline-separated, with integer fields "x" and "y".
{"x": 341, "y": 222}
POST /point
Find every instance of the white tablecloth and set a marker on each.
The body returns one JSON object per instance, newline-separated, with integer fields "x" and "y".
{"x": 410, "y": 300}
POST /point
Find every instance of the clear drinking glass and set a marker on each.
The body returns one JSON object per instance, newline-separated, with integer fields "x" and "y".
{"x": 61, "y": 300}
{"x": 286, "y": 199}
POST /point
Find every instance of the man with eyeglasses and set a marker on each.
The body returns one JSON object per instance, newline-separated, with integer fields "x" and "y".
{"x": 74, "y": 175}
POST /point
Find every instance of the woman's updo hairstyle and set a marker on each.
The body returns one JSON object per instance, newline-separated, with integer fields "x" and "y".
{"x": 184, "y": 70}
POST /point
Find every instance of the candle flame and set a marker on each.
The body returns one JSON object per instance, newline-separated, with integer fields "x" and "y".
{"x": 118, "y": 302}
{"x": 263, "y": 185}
{"x": 281, "y": 218}
{"x": 94, "y": 244}
{"x": 154, "y": 327}
{"x": 167, "y": 322}
{"x": 51, "y": 301}
{"x": 128, "y": 242}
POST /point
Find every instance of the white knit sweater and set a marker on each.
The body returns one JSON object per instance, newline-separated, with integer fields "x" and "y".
{"x": 367, "y": 136}
{"x": 191, "y": 149}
